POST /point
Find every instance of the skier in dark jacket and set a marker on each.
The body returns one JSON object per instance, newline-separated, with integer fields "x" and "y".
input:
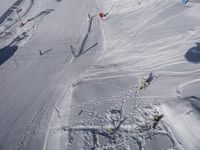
{"x": 150, "y": 78}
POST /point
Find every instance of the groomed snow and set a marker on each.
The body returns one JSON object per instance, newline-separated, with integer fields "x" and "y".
{"x": 31, "y": 84}
{"x": 51, "y": 100}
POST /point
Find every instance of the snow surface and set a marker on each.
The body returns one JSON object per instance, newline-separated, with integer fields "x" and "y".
{"x": 51, "y": 100}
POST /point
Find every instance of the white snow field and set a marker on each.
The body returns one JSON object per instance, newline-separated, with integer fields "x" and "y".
{"x": 73, "y": 81}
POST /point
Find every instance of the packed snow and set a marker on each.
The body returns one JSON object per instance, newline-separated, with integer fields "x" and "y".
{"x": 127, "y": 79}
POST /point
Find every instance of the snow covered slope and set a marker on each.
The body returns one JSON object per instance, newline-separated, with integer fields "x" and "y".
{"x": 108, "y": 111}
{"x": 31, "y": 84}
{"x": 53, "y": 101}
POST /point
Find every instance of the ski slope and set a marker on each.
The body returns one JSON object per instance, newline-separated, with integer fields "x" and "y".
{"x": 51, "y": 100}
{"x": 32, "y": 84}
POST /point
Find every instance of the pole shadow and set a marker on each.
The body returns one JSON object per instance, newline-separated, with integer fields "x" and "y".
{"x": 193, "y": 54}
{"x": 47, "y": 51}
{"x": 84, "y": 40}
{"x": 43, "y": 13}
{"x": 9, "y": 11}
{"x": 82, "y": 45}
{"x": 89, "y": 48}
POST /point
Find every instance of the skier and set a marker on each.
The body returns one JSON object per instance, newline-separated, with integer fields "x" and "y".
{"x": 146, "y": 82}
{"x": 149, "y": 79}
{"x": 156, "y": 119}
{"x": 102, "y": 15}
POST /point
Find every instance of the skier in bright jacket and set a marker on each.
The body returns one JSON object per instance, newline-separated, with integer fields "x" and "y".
{"x": 102, "y": 15}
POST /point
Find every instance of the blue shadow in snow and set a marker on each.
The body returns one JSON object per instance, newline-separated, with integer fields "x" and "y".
{"x": 9, "y": 50}
{"x": 193, "y": 54}
{"x": 6, "y": 53}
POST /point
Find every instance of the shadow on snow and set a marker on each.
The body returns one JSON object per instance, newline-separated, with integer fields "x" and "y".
{"x": 193, "y": 54}
{"x": 9, "y": 50}
{"x": 45, "y": 12}
{"x": 9, "y": 11}
{"x": 6, "y": 53}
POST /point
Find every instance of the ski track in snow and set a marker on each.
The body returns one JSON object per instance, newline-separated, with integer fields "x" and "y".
{"x": 132, "y": 122}
{"x": 129, "y": 55}
{"x": 51, "y": 100}
{"x": 37, "y": 81}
